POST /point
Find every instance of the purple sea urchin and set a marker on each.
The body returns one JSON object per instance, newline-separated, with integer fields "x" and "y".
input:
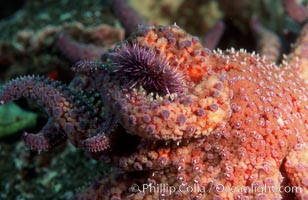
{"x": 143, "y": 66}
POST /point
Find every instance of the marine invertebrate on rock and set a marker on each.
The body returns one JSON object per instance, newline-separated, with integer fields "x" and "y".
{"x": 141, "y": 66}
{"x": 268, "y": 43}
{"x": 213, "y": 36}
{"x": 297, "y": 12}
{"x": 232, "y": 126}
{"x": 128, "y": 17}
{"x": 299, "y": 57}
{"x": 33, "y": 32}
{"x": 72, "y": 116}
{"x": 74, "y": 50}
{"x": 184, "y": 13}
{"x": 296, "y": 164}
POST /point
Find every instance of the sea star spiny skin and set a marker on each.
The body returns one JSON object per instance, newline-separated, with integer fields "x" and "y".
{"x": 232, "y": 124}
{"x": 261, "y": 112}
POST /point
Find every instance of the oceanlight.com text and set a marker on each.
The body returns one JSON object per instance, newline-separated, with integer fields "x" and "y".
{"x": 216, "y": 188}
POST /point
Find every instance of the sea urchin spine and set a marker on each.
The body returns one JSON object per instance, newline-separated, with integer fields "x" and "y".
{"x": 142, "y": 66}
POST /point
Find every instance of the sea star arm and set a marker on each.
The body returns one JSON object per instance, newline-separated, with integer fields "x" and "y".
{"x": 75, "y": 51}
{"x": 185, "y": 117}
{"x": 268, "y": 42}
{"x": 297, "y": 12}
{"x": 97, "y": 143}
{"x": 194, "y": 111}
{"x": 298, "y": 58}
{"x": 214, "y": 35}
{"x": 86, "y": 67}
{"x": 69, "y": 112}
{"x": 296, "y": 166}
{"x": 128, "y": 17}
{"x": 45, "y": 139}
{"x": 102, "y": 139}
{"x": 217, "y": 113}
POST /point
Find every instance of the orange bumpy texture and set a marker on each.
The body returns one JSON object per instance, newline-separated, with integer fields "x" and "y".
{"x": 207, "y": 95}
{"x": 225, "y": 137}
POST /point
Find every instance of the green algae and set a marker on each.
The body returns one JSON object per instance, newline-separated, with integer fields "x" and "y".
{"x": 14, "y": 119}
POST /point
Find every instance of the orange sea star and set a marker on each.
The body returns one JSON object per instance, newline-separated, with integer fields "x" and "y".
{"x": 232, "y": 125}
{"x": 232, "y": 128}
